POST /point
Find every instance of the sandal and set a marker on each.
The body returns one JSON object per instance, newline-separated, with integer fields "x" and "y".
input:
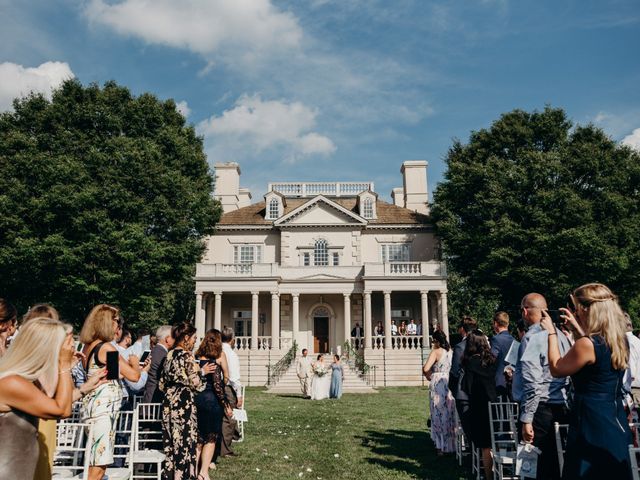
{"x": 212, "y": 466}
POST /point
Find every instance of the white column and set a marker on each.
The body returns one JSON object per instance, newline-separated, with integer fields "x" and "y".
{"x": 444, "y": 319}
{"x": 200, "y": 317}
{"x": 295, "y": 315}
{"x": 217, "y": 311}
{"x": 275, "y": 320}
{"x": 367, "y": 320}
{"x": 347, "y": 317}
{"x": 208, "y": 322}
{"x": 254, "y": 320}
{"x": 424, "y": 308}
{"x": 387, "y": 320}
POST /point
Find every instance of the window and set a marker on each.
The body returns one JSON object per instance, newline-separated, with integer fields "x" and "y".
{"x": 396, "y": 252}
{"x": 336, "y": 259}
{"x": 306, "y": 259}
{"x": 274, "y": 209}
{"x": 320, "y": 253}
{"x": 242, "y": 323}
{"x": 247, "y": 254}
{"x": 367, "y": 208}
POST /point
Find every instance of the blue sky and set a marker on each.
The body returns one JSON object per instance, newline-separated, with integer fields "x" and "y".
{"x": 337, "y": 89}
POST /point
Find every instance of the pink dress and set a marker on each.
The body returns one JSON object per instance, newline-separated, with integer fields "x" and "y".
{"x": 442, "y": 406}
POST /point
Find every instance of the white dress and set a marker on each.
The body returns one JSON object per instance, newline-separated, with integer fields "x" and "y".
{"x": 320, "y": 385}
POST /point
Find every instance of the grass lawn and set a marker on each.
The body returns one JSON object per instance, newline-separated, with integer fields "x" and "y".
{"x": 377, "y": 436}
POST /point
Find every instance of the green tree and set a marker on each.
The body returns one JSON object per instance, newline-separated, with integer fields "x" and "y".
{"x": 105, "y": 197}
{"x": 536, "y": 204}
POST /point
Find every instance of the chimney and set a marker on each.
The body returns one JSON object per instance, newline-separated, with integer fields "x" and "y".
{"x": 414, "y": 177}
{"x": 227, "y": 187}
{"x": 244, "y": 198}
{"x": 397, "y": 194}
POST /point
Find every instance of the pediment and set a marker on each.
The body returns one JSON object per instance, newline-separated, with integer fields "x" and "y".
{"x": 320, "y": 211}
{"x": 322, "y": 276}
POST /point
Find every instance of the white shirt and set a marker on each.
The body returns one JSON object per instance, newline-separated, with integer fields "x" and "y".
{"x": 234, "y": 367}
{"x": 412, "y": 329}
{"x": 142, "y": 381}
{"x": 394, "y": 329}
{"x": 632, "y": 375}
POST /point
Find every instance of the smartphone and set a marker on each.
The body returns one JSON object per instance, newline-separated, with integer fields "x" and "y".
{"x": 144, "y": 356}
{"x": 113, "y": 365}
{"x": 79, "y": 346}
{"x": 555, "y": 317}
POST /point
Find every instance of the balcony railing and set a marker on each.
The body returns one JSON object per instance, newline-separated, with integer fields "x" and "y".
{"x": 406, "y": 269}
{"x": 398, "y": 342}
{"x": 244, "y": 343}
{"x": 311, "y": 189}
{"x": 236, "y": 270}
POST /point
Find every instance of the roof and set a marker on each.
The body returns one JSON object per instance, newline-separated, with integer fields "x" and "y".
{"x": 388, "y": 214}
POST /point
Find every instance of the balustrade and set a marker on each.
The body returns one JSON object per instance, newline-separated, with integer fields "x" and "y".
{"x": 308, "y": 189}
{"x": 244, "y": 343}
{"x": 398, "y": 342}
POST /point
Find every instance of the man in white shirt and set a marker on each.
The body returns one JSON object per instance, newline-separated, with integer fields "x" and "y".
{"x": 412, "y": 328}
{"x": 233, "y": 391}
{"x": 304, "y": 371}
{"x": 632, "y": 375}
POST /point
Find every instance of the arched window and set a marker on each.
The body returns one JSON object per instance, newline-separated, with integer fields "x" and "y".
{"x": 367, "y": 208}
{"x": 320, "y": 253}
{"x": 274, "y": 209}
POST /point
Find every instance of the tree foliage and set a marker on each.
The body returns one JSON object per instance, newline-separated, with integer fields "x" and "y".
{"x": 105, "y": 197}
{"x": 536, "y": 204}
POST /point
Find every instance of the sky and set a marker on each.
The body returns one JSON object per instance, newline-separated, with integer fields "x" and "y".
{"x": 342, "y": 90}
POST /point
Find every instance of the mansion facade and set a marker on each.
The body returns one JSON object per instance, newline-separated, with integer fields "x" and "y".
{"x": 324, "y": 263}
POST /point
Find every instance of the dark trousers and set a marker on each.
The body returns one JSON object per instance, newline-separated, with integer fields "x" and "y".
{"x": 544, "y": 438}
{"x": 229, "y": 425}
{"x": 463, "y": 407}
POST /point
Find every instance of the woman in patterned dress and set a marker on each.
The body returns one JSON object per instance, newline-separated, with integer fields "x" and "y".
{"x": 102, "y": 406}
{"x": 442, "y": 405}
{"x": 180, "y": 381}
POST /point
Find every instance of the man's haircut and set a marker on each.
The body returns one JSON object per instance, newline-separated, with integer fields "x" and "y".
{"x": 163, "y": 332}
{"x": 502, "y": 319}
{"x": 468, "y": 324}
{"x": 304, "y": 350}
{"x": 227, "y": 334}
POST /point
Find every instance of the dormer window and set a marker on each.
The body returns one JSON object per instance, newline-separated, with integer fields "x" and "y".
{"x": 367, "y": 205}
{"x": 274, "y": 209}
{"x": 367, "y": 208}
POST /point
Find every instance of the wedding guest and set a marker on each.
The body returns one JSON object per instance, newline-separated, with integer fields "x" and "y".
{"x": 412, "y": 328}
{"x": 378, "y": 331}
{"x": 233, "y": 391}
{"x": 102, "y": 406}
{"x": 357, "y": 332}
{"x": 125, "y": 339}
{"x": 478, "y": 382}
{"x": 42, "y": 353}
{"x": 394, "y": 328}
{"x": 211, "y": 403}
{"x": 403, "y": 328}
{"x": 466, "y": 325}
{"x": 500, "y": 345}
{"x": 632, "y": 375}
{"x": 598, "y": 427}
{"x": 181, "y": 380}
{"x": 304, "y": 370}
{"x": 337, "y": 378}
{"x": 8, "y": 319}
{"x": 441, "y": 403}
{"x": 152, "y": 394}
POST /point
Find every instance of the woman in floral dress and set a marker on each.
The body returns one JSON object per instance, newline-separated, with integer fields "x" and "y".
{"x": 181, "y": 380}
{"x": 442, "y": 405}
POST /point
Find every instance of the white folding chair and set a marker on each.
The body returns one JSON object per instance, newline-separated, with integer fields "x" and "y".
{"x": 147, "y": 441}
{"x": 504, "y": 438}
{"x": 241, "y": 424}
{"x": 477, "y": 466}
{"x": 136, "y": 400}
{"x": 69, "y": 455}
{"x": 561, "y": 431}
{"x": 633, "y": 458}
{"x": 462, "y": 445}
{"x": 635, "y": 431}
{"x": 124, "y": 438}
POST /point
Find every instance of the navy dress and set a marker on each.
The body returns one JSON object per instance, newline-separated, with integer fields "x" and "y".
{"x": 210, "y": 404}
{"x": 599, "y": 434}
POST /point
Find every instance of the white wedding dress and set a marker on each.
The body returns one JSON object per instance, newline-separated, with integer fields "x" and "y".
{"x": 320, "y": 386}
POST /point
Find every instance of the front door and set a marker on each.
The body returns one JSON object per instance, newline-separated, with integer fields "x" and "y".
{"x": 321, "y": 334}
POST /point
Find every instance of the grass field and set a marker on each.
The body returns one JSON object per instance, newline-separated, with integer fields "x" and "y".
{"x": 377, "y": 436}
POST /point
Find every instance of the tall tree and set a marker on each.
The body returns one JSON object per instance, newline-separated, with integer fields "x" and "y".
{"x": 536, "y": 204}
{"x": 105, "y": 197}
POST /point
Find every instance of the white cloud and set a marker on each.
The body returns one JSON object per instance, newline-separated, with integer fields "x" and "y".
{"x": 247, "y": 27}
{"x": 633, "y": 139}
{"x": 17, "y": 81}
{"x": 183, "y": 108}
{"x": 263, "y": 124}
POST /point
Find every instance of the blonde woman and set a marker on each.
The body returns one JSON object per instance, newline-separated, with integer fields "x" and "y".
{"x": 43, "y": 352}
{"x": 598, "y": 428}
{"x": 102, "y": 406}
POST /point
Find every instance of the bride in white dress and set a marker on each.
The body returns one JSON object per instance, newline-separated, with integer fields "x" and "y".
{"x": 321, "y": 381}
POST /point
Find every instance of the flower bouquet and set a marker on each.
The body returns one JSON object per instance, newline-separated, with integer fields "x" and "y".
{"x": 320, "y": 371}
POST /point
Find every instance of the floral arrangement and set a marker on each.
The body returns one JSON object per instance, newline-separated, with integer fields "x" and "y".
{"x": 319, "y": 370}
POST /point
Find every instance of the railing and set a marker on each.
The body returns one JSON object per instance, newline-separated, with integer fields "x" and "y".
{"x": 274, "y": 372}
{"x": 205, "y": 270}
{"x": 308, "y": 189}
{"x": 244, "y": 343}
{"x": 399, "y": 342}
{"x": 406, "y": 269}
{"x": 355, "y": 360}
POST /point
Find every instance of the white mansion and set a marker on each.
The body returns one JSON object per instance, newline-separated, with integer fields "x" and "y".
{"x": 313, "y": 260}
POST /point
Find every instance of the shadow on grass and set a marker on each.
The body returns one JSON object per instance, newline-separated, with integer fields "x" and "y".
{"x": 411, "y": 452}
{"x": 291, "y": 395}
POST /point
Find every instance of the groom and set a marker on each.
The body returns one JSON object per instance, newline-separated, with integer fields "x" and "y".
{"x": 303, "y": 369}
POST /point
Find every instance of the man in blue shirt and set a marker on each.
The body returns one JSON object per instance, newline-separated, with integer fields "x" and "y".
{"x": 500, "y": 344}
{"x": 544, "y": 398}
